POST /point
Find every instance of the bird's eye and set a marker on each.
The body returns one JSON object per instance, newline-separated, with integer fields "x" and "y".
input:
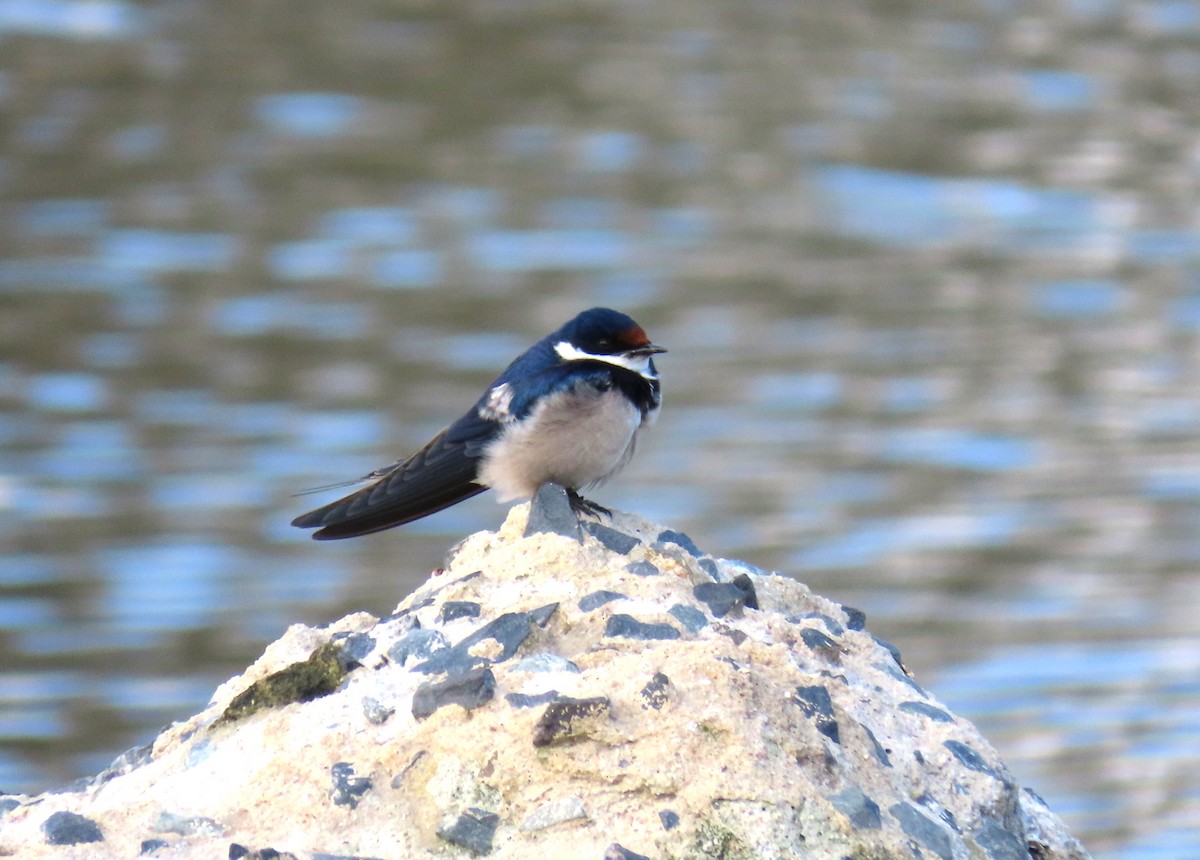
{"x": 604, "y": 343}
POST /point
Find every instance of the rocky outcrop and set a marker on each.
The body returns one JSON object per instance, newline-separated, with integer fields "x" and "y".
{"x": 606, "y": 691}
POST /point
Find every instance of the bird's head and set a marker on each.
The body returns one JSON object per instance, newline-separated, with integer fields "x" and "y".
{"x": 602, "y": 334}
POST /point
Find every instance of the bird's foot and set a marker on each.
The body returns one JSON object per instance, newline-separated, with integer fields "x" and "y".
{"x": 580, "y": 505}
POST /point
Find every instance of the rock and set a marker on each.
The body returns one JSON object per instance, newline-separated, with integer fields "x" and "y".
{"x": 679, "y": 539}
{"x": 616, "y": 541}
{"x": 596, "y": 599}
{"x": 470, "y": 689}
{"x": 508, "y": 631}
{"x": 546, "y": 662}
{"x": 472, "y": 830}
{"x": 353, "y": 648}
{"x": 860, "y": 809}
{"x": 815, "y": 702}
{"x": 654, "y": 694}
{"x": 642, "y": 568}
{"x": 723, "y": 597}
{"x": 550, "y": 513}
{"x": 186, "y": 825}
{"x": 453, "y": 609}
{"x": 566, "y": 718}
{"x": 554, "y": 812}
{"x": 347, "y": 788}
{"x": 376, "y": 711}
{"x": 631, "y": 628}
{"x": 418, "y": 644}
{"x": 689, "y": 616}
{"x": 70, "y": 828}
{"x": 926, "y": 710}
{"x": 662, "y": 731}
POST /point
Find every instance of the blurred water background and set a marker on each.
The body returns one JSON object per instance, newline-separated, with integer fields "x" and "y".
{"x": 927, "y": 271}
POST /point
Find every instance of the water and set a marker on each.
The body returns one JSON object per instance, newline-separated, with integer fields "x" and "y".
{"x": 928, "y": 275}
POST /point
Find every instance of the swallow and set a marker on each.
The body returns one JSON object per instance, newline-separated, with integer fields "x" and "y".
{"x": 568, "y": 410}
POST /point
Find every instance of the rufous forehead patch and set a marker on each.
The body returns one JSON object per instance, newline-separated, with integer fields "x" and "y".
{"x": 634, "y": 336}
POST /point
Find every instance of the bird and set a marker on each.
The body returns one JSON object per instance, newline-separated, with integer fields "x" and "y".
{"x": 569, "y": 410}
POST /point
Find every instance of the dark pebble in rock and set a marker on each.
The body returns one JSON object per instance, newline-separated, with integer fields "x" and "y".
{"x": 925, "y": 830}
{"x": 149, "y": 846}
{"x": 353, "y": 648}
{"x": 880, "y": 752}
{"x": 620, "y": 852}
{"x": 818, "y": 641}
{"x": 474, "y": 829}
{"x": 891, "y": 649}
{"x": 710, "y": 567}
{"x": 831, "y": 625}
{"x": 398, "y": 779}
{"x": 527, "y": 700}
{"x": 689, "y": 616}
{"x": 679, "y": 539}
{"x": 468, "y": 690}
{"x": 642, "y": 568}
{"x": 419, "y": 644}
{"x": 669, "y": 819}
{"x": 126, "y": 762}
{"x": 347, "y": 788}
{"x": 550, "y": 513}
{"x": 856, "y": 619}
{"x": 896, "y": 672}
{"x": 452, "y": 609}
{"x": 860, "y": 809}
{"x": 561, "y": 719}
{"x": 397, "y": 625}
{"x": 510, "y": 630}
{"x": 655, "y": 692}
{"x": 241, "y": 852}
{"x": 736, "y": 635}
{"x": 723, "y": 597}
{"x": 970, "y": 758}
{"x": 376, "y": 712}
{"x": 70, "y": 828}
{"x": 817, "y": 705}
{"x": 614, "y": 540}
{"x": 926, "y": 710}
{"x": 631, "y": 628}
{"x": 1001, "y": 844}
{"x": 593, "y": 601}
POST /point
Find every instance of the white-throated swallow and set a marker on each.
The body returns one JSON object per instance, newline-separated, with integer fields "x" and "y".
{"x": 568, "y": 410}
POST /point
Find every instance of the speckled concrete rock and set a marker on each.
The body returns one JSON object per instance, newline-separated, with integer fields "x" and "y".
{"x": 610, "y": 693}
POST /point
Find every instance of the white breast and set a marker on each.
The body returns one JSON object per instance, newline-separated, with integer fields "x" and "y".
{"x": 573, "y": 439}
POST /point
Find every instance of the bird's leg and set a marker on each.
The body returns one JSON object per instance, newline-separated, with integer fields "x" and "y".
{"x": 580, "y": 505}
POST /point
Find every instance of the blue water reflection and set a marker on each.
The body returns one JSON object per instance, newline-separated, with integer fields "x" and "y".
{"x": 909, "y": 209}
{"x": 309, "y": 114}
{"x": 161, "y": 588}
{"x": 71, "y": 19}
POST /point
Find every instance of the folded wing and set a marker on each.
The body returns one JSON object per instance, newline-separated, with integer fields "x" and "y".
{"x": 439, "y": 475}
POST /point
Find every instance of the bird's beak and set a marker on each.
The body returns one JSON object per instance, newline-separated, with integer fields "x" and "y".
{"x": 648, "y": 349}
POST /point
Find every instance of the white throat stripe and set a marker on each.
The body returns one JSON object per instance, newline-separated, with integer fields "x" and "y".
{"x": 639, "y": 364}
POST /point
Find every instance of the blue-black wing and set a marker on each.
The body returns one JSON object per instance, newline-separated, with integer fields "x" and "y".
{"x": 439, "y": 475}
